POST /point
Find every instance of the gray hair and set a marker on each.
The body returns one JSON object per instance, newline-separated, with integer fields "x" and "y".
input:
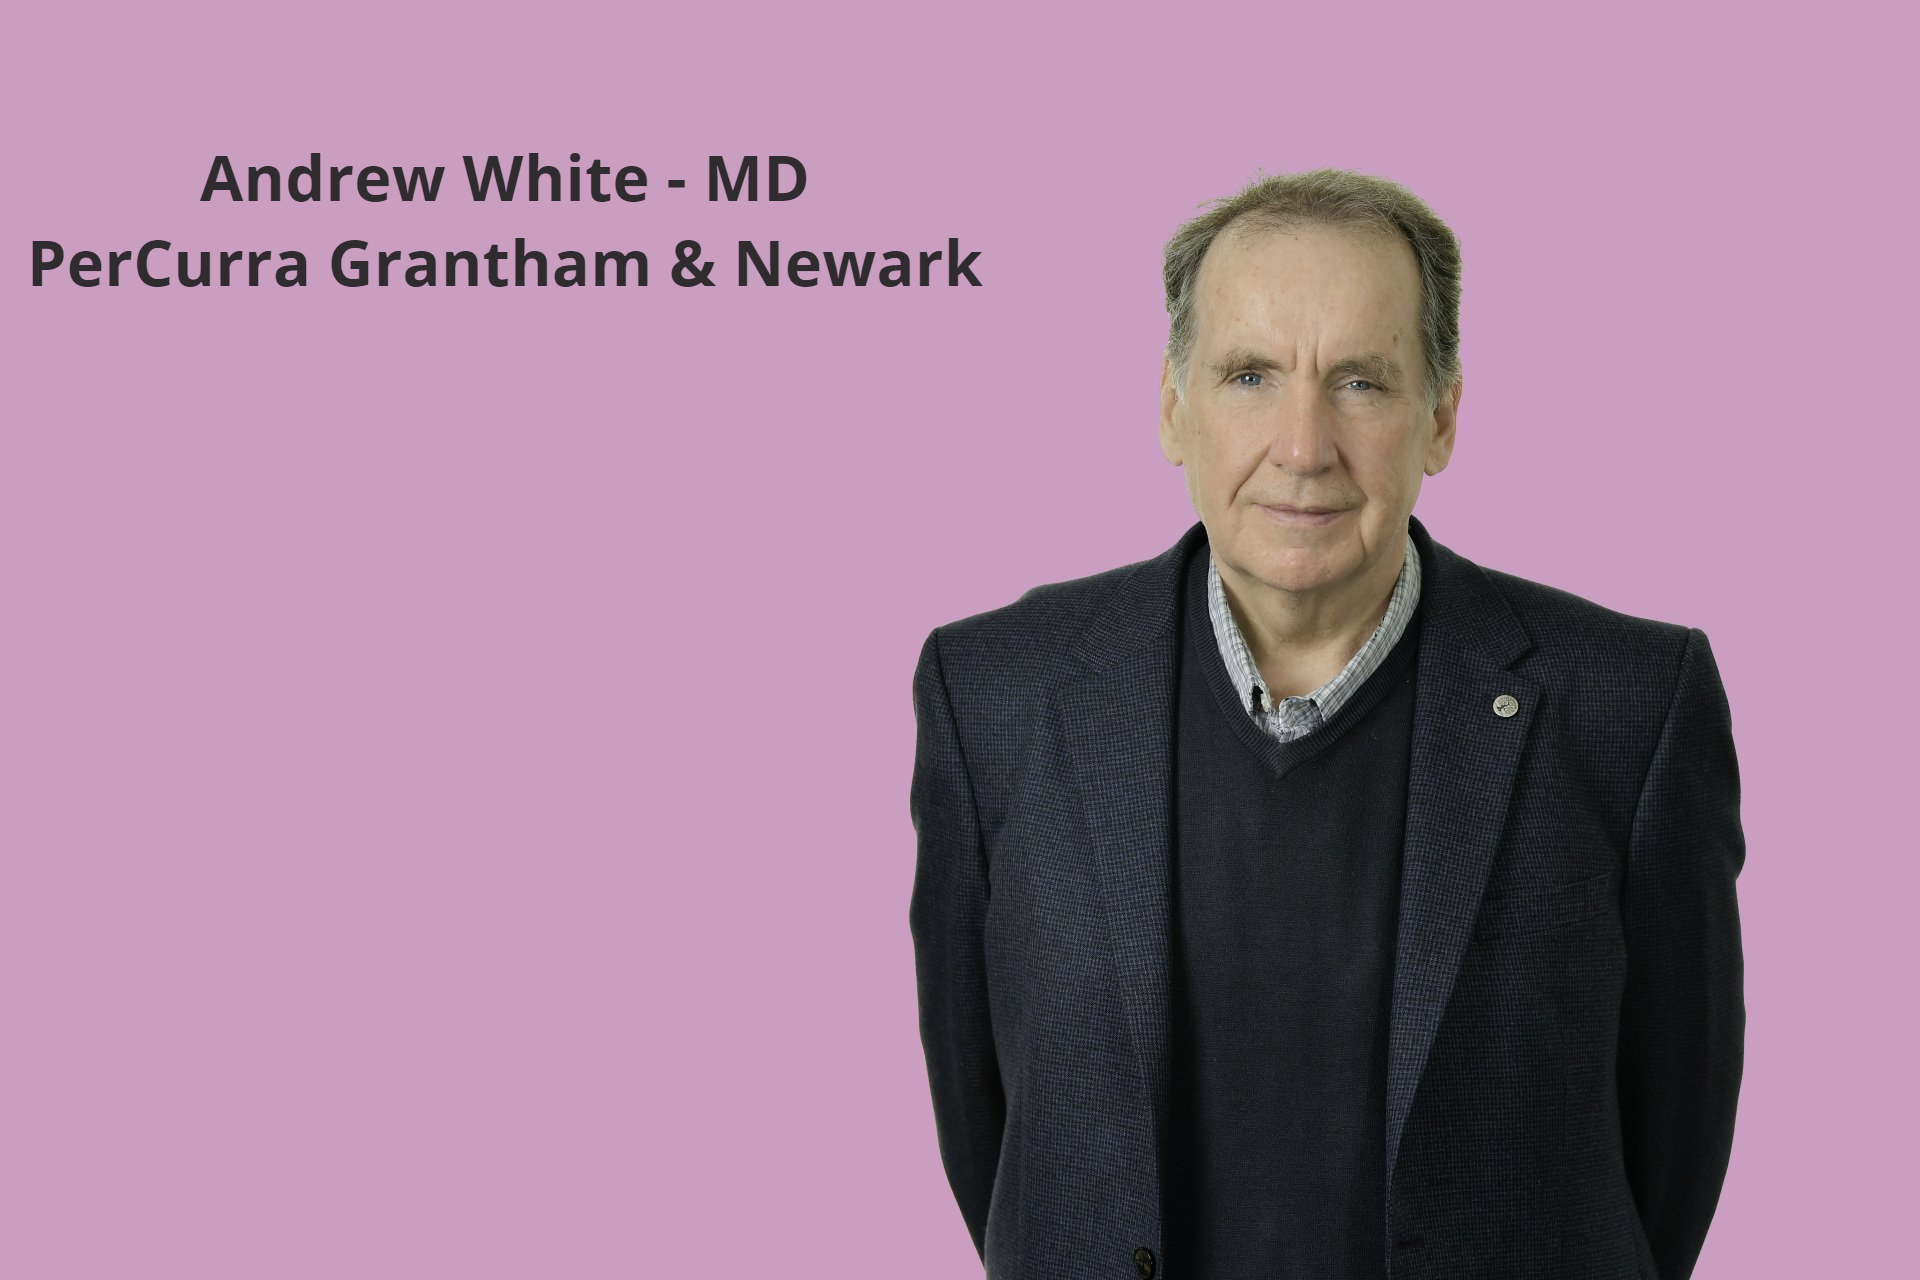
{"x": 1338, "y": 198}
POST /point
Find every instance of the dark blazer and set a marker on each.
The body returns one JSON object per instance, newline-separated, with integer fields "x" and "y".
{"x": 1567, "y": 1016}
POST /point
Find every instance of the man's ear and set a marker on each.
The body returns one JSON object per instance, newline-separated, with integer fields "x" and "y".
{"x": 1446, "y": 416}
{"x": 1169, "y": 406}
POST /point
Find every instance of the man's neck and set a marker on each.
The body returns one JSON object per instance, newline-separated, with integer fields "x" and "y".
{"x": 1300, "y": 640}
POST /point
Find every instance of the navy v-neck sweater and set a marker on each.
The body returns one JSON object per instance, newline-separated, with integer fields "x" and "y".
{"x": 1286, "y": 889}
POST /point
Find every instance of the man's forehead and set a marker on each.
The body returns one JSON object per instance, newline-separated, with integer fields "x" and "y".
{"x": 1356, "y": 275}
{"x": 1252, "y": 231}
{"x": 1309, "y": 249}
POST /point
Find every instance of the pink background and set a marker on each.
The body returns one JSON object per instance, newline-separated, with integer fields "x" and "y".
{"x": 455, "y": 742}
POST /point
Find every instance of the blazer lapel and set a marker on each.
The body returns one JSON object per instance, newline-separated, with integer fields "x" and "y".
{"x": 1464, "y": 756}
{"x": 1119, "y": 732}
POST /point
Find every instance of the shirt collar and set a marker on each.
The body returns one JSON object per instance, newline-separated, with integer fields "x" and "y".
{"x": 1296, "y": 716}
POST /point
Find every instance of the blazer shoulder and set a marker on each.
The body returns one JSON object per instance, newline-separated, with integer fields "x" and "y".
{"x": 1612, "y": 664}
{"x": 1000, "y": 668}
{"x": 1034, "y": 635}
{"x": 1551, "y": 613}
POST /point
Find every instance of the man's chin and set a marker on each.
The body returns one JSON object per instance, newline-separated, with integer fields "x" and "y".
{"x": 1295, "y": 573}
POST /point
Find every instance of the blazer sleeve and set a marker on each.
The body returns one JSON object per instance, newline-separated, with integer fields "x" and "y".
{"x": 947, "y": 915}
{"x": 1683, "y": 1015}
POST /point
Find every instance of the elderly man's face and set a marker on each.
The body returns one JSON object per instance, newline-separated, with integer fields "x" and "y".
{"x": 1303, "y": 426}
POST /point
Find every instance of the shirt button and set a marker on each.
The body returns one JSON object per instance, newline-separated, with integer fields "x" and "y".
{"x": 1143, "y": 1259}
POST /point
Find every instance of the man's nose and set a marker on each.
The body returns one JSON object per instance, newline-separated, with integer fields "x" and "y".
{"x": 1303, "y": 436}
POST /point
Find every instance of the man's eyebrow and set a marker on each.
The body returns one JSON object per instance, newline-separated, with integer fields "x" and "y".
{"x": 1244, "y": 360}
{"x": 1370, "y": 365}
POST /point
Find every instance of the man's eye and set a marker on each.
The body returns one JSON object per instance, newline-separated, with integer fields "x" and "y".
{"x": 1362, "y": 383}
{"x": 1248, "y": 378}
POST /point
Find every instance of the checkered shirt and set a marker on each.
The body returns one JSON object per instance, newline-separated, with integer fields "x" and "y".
{"x": 1296, "y": 717}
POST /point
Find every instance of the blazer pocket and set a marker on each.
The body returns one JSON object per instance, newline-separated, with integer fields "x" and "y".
{"x": 1513, "y": 914}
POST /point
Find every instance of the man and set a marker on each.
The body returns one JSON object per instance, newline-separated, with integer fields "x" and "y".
{"x": 1309, "y": 900}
